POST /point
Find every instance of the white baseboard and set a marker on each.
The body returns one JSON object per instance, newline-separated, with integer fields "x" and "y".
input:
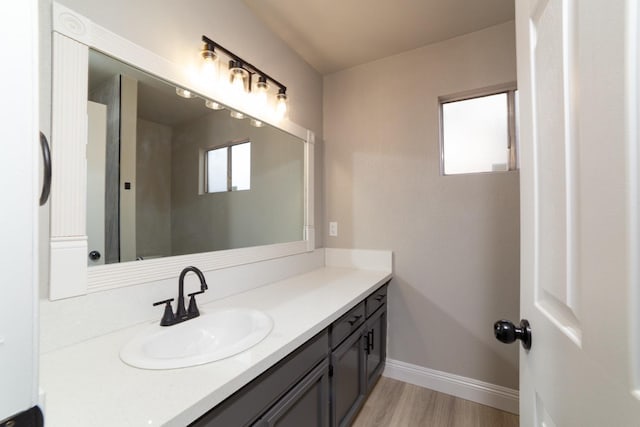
{"x": 496, "y": 396}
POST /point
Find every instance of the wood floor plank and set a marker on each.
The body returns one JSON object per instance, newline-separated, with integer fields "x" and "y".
{"x": 378, "y": 409}
{"x": 393, "y": 403}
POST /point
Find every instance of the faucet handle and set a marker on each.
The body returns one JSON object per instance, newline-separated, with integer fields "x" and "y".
{"x": 168, "y": 318}
{"x": 193, "y": 311}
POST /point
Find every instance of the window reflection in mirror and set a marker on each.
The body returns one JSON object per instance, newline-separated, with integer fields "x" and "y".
{"x": 164, "y": 173}
{"x": 228, "y": 168}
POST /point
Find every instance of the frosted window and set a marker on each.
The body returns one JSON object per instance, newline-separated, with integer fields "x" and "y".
{"x": 233, "y": 161}
{"x": 241, "y": 167}
{"x": 475, "y": 135}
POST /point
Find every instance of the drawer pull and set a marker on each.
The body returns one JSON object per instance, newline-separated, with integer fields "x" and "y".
{"x": 354, "y": 319}
{"x": 367, "y": 345}
{"x": 379, "y": 297}
{"x": 370, "y": 336}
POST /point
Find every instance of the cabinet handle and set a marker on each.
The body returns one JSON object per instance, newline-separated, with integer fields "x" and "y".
{"x": 354, "y": 319}
{"x": 366, "y": 344}
{"x": 370, "y": 338}
{"x": 46, "y": 157}
{"x": 379, "y": 297}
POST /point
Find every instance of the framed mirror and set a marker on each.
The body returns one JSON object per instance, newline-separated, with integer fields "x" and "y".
{"x": 147, "y": 182}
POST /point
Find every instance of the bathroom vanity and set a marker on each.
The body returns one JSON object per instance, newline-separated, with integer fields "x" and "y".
{"x": 324, "y": 382}
{"x": 325, "y": 352}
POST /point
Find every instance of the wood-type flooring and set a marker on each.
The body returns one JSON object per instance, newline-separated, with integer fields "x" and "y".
{"x": 394, "y": 403}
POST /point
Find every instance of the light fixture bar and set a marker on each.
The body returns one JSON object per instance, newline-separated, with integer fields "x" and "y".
{"x": 245, "y": 64}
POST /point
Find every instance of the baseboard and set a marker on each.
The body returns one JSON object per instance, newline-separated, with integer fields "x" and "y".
{"x": 496, "y": 396}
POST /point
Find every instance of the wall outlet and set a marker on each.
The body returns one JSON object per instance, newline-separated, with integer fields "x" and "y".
{"x": 333, "y": 229}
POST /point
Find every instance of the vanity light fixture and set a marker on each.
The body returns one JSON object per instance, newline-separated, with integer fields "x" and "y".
{"x": 184, "y": 93}
{"x": 241, "y": 76}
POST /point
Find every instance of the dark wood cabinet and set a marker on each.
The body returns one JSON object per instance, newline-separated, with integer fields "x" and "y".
{"x": 348, "y": 380}
{"x": 376, "y": 345}
{"x": 358, "y": 361}
{"x": 248, "y": 405}
{"x": 322, "y": 383}
{"x": 307, "y": 404}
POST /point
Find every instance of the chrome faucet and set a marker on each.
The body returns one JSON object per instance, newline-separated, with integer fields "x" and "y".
{"x": 182, "y": 314}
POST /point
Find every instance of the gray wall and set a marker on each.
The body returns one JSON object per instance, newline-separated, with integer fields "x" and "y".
{"x": 174, "y": 29}
{"x": 153, "y": 184}
{"x": 455, "y": 238}
{"x": 272, "y": 211}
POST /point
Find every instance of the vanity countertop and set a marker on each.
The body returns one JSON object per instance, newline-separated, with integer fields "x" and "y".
{"x": 88, "y": 385}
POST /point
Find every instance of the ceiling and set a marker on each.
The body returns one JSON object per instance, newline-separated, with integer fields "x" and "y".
{"x": 332, "y": 35}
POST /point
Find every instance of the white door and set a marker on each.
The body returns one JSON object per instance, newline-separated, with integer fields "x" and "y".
{"x": 19, "y": 191}
{"x": 96, "y": 172}
{"x": 578, "y": 82}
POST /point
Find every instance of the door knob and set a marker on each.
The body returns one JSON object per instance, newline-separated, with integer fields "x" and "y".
{"x": 507, "y": 332}
{"x": 94, "y": 255}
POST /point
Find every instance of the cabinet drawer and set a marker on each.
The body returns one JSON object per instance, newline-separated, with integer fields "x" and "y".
{"x": 247, "y": 404}
{"x": 342, "y": 328}
{"x": 376, "y": 299}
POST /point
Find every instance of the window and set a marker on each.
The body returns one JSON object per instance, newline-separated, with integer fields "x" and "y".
{"x": 228, "y": 168}
{"x": 478, "y": 132}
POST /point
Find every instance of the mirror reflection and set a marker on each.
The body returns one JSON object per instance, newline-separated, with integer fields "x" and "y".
{"x": 166, "y": 175}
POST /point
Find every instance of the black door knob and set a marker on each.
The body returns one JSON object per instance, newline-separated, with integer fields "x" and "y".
{"x": 507, "y": 332}
{"x": 94, "y": 255}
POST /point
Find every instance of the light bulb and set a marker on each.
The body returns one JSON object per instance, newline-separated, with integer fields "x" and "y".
{"x": 281, "y": 104}
{"x": 213, "y": 105}
{"x": 210, "y": 62}
{"x": 210, "y": 68}
{"x": 256, "y": 123}
{"x": 237, "y": 76}
{"x": 183, "y": 93}
{"x": 261, "y": 91}
{"x": 237, "y": 82}
{"x": 236, "y": 114}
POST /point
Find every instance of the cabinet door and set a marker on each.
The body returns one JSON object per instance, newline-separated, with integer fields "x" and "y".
{"x": 376, "y": 345}
{"x": 348, "y": 383}
{"x": 307, "y": 404}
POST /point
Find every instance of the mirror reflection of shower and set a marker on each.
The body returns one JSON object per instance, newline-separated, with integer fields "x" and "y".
{"x": 168, "y": 176}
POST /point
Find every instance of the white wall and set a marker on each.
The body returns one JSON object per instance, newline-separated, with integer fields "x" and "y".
{"x": 455, "y": 238}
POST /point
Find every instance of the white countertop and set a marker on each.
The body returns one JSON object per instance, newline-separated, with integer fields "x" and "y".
{"x": 88, "y": 385}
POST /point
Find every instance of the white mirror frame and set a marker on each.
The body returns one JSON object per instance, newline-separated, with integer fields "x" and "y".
{"x": 73, "y": 36}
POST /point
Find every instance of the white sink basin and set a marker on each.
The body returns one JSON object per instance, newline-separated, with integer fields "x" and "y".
{"x": 212, "y": 336}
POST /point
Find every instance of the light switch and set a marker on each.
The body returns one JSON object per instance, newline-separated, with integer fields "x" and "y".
{"x": 333, "y": 229}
